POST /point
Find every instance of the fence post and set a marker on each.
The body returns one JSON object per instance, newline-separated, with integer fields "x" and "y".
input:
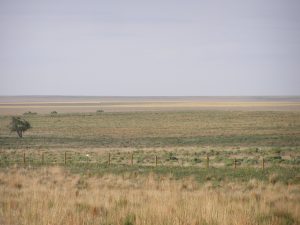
{"x": 24, "y": 158}
{"x": 234, "y": 163}
{"x": 109, "y": 158}
{"x": 263, "y": 163}
{"x": 65, "y": 158}
{"x": 131, "y": 158}
{"x": 43, "y": 158}
{"x": 156, "y": 160}
{"x": 207, "y": 161}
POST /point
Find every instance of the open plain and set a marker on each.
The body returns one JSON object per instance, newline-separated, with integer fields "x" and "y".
{"x": 154, "y": 160}
{"x": 10, "y": 105}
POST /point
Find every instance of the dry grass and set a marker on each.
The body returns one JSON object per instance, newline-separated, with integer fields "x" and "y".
{"x": 55, "y": 196}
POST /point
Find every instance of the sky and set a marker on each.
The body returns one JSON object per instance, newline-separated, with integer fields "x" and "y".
{"x": 150, "y": 48}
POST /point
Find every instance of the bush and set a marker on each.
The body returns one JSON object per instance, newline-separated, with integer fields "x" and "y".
{"x": 172, "y": 156}
{"x": 19, "y": 125}
{"x": 29, "y": 113}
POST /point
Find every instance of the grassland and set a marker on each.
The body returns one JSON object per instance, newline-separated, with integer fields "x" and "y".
{"x": 156, "y": 129}
{"x": 151, "y": 167}
{"x": 57, "y": 196}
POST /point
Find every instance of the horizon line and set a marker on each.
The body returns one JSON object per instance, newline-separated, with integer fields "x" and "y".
{"x": 126, "y": 96}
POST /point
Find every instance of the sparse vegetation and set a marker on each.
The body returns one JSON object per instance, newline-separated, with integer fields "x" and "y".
{"x": 157, "y": 171}
{"x": 158, "y": 129}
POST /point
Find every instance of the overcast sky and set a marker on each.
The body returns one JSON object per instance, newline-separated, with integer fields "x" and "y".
{"x": 154, "y": 47}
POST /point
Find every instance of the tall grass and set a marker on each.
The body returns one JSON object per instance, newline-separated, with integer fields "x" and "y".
{"x": 52, "y": 195}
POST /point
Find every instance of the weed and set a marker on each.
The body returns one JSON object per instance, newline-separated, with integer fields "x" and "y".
{"x": 130, "y": 219}
{"x": 81, "y": 184}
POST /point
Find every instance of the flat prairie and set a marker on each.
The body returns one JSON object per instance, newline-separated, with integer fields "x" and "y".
{"x": 63, "y": 104}
{"x": 151, "y": 160}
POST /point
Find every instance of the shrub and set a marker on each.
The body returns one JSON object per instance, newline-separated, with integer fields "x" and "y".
{"x": 29, "y": 113}
{"x": 19, "y": 125}
{"x": 172, "y": 156}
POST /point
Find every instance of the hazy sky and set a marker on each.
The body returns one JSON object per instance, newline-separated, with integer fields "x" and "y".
{"x": 154, "y": 47}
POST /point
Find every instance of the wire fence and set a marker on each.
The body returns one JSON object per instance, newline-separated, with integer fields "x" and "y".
{"x": 141, "y": 159}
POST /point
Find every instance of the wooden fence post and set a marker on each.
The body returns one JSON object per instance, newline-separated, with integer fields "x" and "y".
{"x": 43, "y": 158}
{"x": 65, "y": 158}
{"x": 156, "y": 160}
{"x": 24, "y": 158}
{"x": 131, "y": 159}
{"x": 234, "y": 163}
{"x": 263, "y": 163}
{"x": 207, "y": 161}
{"x": 109, "y": 158}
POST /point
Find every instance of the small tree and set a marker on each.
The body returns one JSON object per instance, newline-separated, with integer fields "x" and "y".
{"x": 19, "y": 125}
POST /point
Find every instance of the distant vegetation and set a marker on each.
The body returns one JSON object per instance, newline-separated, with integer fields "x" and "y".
{"x": 29, "y": 113}
{"x": 100, "y": 111}
{"x": 158, "y": 129}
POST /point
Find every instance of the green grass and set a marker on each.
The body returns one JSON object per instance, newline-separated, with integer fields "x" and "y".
{"x": 197, "y": 157}
{"x": 156, "y": 129}
{"x": 179, "y": 163}
{"x": 180, "y": 140}
{"x": 214, "y": 175}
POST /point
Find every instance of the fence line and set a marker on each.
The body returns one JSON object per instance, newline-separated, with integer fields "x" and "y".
{"x": 69, "y": 158}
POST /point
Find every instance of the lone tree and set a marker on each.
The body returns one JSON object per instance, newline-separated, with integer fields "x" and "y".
{"x": 19, "y": 125}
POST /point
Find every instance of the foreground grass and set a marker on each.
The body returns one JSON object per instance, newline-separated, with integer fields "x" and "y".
{"x": 216, "y": 175}
{"x": 54, "y": 195}
{"x": 156, "y": 129}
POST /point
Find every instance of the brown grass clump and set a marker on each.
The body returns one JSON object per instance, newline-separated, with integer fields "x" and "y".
{"x": 54, "y": 196}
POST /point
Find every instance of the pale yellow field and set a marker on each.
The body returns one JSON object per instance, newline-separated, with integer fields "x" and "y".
{"x": 54, "y": 196}
{"x": 15, "y": 105}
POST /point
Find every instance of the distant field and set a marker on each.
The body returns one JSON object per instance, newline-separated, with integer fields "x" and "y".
{"x": 19, "y": 105}
{"x": 156, "y": 129}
